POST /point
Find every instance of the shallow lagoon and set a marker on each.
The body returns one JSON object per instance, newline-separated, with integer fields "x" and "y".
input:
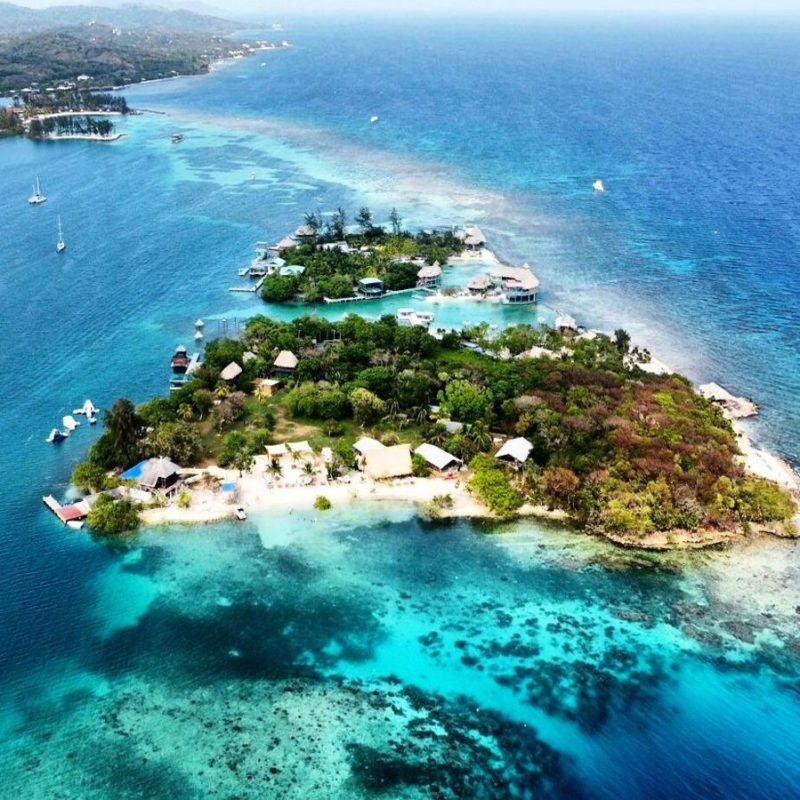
{"x": 366, "y": 653}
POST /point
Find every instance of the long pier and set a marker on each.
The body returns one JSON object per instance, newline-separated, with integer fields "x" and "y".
{"x": 357, "y": 298}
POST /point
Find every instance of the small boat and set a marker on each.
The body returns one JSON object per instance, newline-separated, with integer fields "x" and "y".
{"x": 92, "y": 419}
{"x": 56, "y": 436}
{"x": 70, "y": 423}
{"x": 374, "y": 119}
{"x": 61, "y": 245}
{"x": 37, "y": 198}
{"x": 599, "y": 186}
{"x": 75, "y": 524}
{"x": 180, "y": 361}
{"x": 176, "y": 138}
{"x": 241, "y": 514}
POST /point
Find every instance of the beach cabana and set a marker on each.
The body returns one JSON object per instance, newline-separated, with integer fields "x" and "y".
{"x": 439, "y": 459}
{"x": 231, "y": 372}
{"x": 385, "y": 463}
{"x": 430, "y": 277}
{"x": 300, "y": 448}
{"x": 277, "y": 450}
{"x": 515, "y": 450}
{"x": 370, "y": 287}
{"x": 286, "y": 363}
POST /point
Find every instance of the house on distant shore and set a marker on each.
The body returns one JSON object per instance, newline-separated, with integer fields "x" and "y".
{"x": 371, "y": 287}
{"x": 385, "y": 463}
{"x": 285, "y": 364}
{"x": 305, "y": 235}
{"x": 292, "y": 271}
{"x": 430, "y": 277}
{"x": 440, "y": 460}
{"x": 287, "y": 243}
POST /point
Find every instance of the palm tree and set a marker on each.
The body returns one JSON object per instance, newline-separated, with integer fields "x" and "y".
{"x": 478, "y": 433}
{"x": 275, "y": 469}
{"x": 185, "y": 412}
{"x": 308, "y": 469}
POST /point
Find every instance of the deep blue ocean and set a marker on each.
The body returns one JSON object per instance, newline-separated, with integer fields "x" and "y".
{"x": 371, "y": 654}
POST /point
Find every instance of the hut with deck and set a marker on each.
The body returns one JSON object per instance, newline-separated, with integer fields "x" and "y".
{"x": 480, "y": 285}
{"x": 430, "y": 277}
{"x": 440, "y": 460}
{"x": 386, "y": 463}
{"x": 155, "y": 476}
{"x": 277, "y": 450}
{"x": 515, "y": 451}
{"x": 371, "y": 287}
{"x": 285, "y": 364}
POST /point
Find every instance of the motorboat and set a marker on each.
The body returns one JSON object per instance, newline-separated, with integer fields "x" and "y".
{"x": 70, "y": 423}
{"x": 180, "y": 361}
{"x": 241, "y": 514}
{"x": 374, "y": 119}
{"x": 56, "y": 436}
{"x": 599, "y": 186}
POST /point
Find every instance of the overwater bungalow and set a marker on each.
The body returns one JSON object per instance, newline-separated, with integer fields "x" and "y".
{"x": 480, "y": 285}
{"x": 473, "y": 238}
{"x": 518, "y": 284}
{"x": 430, "y": 277}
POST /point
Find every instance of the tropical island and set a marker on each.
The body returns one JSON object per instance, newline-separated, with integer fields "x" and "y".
{"x": 528, "y": 421}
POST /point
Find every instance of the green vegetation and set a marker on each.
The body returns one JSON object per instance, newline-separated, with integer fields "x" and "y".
{"x": 48, "y": 58}
{"x": 493, "y": 487}
{"x": 333, "y": 271}
{"x": 619, "y": 450}
{"x": 112, "y": 517}
{"x": 322, "y": 503}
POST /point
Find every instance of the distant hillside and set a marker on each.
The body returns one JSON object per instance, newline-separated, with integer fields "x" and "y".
{"x": 111, "y": 59}
{"x": 15, "y": 20}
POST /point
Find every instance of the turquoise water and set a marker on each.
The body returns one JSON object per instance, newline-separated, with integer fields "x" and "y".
{"x": 367, "y": 653}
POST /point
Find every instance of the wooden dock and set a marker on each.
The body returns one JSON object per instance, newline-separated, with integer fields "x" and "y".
{"x": 251, "y": 289}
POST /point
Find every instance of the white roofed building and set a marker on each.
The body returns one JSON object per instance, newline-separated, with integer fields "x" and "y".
{"x": 515, "y": 450}
{"x": 439, "y": 459}
{"x": 385, "y": 463}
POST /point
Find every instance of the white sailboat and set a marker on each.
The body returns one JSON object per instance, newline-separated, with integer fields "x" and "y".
{"x": 37, "y": 198}
{"x": 61, "y": 245}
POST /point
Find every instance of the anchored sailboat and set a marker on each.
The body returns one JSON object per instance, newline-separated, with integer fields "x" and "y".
{"x": 37, "y": 198}
{"x": 61, "y": 245}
